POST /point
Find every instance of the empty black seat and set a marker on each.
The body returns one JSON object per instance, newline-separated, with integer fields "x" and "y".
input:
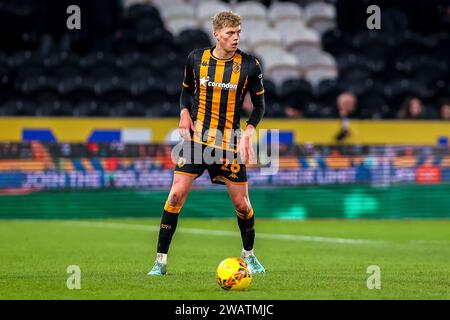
{"x": 422, "y": 69}
{"x": 7, "y": 93}
{"x": 86, "y": 108}
{"x": 62, "y": 108}
{"x": 65, "y": 71}
{"x": 97, "y": 58}
{"x": 77, "y": 88}
{"x": 295, "y": 92}
{"x": 153, "y": 96}
{"x": 30, "y": 86}
{"x": 372, "y": 105}
{"x": 409, "y": 44}
{"x": 134, "y": 59}
{"x": 17, "y": 107}
{"x": 142, "y": 11}
{"x": 61, "y": 59}
{"x": 358, "y": 68}
{"x": 274, "y": 108}
{"x": 191, "y": 39}
{"x": 102, "y": 72}
{"x": 319, "y": 110}
{"x": 376, "y": 45}
{"x": 112, "y": 91}
{"x": 327, "y": 91}
{"x": 30, "y": 70}
{"x": 336, "y": 42}
{"x": 128, "y": 108}
{"x": 19, "y": 58}
{"x": 397, "y": 91}
{"x": 138, "y": 73}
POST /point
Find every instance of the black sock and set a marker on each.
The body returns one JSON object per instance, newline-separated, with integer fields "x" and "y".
{"x": 166, "y": 231}
{"x": 247, "y": 232}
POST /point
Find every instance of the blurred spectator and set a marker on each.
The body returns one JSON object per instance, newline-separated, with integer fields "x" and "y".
{"x": 292, "y": 112}
{"x": 93, "y": 148}
{"x": 111, "y": 164}
{"x": 412, "y": 109}
{"x": 164, "y": 157}
{"x": 15, "y": 151}
{"x": 445, "y": 109}
{"x": 346, "y": 105}
{"x": 66, "y": 150}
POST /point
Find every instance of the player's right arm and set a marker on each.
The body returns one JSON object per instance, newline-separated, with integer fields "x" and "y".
{"x": 256, "y": 89}
{"x": 186, "y": 99}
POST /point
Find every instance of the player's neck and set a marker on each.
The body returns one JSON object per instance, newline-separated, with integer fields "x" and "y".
{"x": 220, "y": 53}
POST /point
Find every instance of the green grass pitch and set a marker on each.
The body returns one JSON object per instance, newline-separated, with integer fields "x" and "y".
{"x": 312, "y": 259}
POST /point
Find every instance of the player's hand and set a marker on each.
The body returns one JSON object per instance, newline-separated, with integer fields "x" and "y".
{"x": 246, "y": 146}
{"x": 185, "y": 125}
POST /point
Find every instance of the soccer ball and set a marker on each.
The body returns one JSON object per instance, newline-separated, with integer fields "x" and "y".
{"x": 233, "y": 274}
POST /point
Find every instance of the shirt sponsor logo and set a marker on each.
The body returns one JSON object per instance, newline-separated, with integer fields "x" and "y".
{"x": 225, "y": 86}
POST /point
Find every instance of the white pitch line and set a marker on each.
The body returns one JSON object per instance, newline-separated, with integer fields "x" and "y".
{"x": 221, "y": 232}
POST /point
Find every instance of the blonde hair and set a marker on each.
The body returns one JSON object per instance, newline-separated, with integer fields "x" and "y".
{"x": 225, "y": 19}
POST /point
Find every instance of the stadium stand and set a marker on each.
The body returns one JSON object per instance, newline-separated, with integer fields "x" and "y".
{"x": 132, "y": 64}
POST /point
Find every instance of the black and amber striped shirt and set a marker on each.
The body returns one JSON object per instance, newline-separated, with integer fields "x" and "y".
{"x": 217, "y": 88}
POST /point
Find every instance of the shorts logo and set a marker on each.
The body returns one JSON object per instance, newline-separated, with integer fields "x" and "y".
{"x": 181, "y": 162}
{"x": 233, "y": 176}
{"x": 236, "y": 67}
{"x": 235, "y": 167}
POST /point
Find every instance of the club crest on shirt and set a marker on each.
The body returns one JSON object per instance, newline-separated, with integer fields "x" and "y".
{"x": 236, "y": 67}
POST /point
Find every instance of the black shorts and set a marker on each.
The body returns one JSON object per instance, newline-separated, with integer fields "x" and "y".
{"x": 221, "y": 165}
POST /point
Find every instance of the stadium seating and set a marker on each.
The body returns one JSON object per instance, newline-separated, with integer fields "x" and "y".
{"x": 251, "y": 10}
{"x": 320, "y": 16}
{"x": 297, "y": 42}
{"x": 282, "y": 11}
{"x": 279, "y": 65}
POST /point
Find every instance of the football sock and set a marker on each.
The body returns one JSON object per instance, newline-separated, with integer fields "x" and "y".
{"x": 246, "y": 224}
{"x": 246, "y": 253}
{"x": 167, "y": 227}
{"x": 161, "y": 258}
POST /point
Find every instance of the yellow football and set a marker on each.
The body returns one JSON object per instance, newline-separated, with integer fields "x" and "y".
{"x": 233, "y": 274}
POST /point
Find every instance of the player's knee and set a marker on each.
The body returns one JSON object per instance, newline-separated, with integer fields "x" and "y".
{"x": 176, "y": 198}
{"x": 242, "y": 204}
{"x": 243, "y": 208}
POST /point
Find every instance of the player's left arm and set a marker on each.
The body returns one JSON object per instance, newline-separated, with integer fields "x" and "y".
{"x": 256, "y": 89}
{"x": 186, "y": 124}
